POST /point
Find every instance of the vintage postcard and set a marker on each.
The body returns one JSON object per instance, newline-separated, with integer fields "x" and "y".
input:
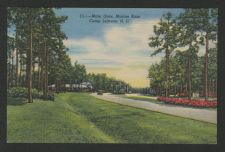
{"x": 112, "y": 75}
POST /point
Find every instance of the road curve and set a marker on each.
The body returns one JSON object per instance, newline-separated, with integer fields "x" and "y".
{"x": 206, "y": 115}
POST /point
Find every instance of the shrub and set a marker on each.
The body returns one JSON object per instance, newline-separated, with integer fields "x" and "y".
{"x": 22, "y": 92}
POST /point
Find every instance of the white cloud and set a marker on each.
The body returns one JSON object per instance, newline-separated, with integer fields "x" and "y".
{"x": 119, "y": 43}
{"x": 133, "y": 37}
{"x": 125, "y": 45}
{"x": 89, "y": 44}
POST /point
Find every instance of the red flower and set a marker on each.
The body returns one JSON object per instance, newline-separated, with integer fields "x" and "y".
{"x": 194, "y": 103}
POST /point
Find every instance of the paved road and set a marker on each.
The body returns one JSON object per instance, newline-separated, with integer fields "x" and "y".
{"x": 206, "y": 115}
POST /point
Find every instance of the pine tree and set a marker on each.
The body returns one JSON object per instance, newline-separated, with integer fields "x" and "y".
{"x": 165, "y": 40}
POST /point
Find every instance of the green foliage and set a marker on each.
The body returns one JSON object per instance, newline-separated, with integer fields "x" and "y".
{"x": 166, "y": 35}
{"x": 22, "y": 92}
{"x": 157, "y": 75}
{"x": 178, "y": 71}
{"x": 213, "y": 63}
{"x": 166, "y": 39}
{"x": 78, "y": 73}
{"x": 185, "y": 69}
{"x": 37, "y": 32}
{"x": 108, "y": 84}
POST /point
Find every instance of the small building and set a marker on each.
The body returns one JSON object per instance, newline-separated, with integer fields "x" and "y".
{"x": 87, "y": 85}
{"x": 84, "y": 86}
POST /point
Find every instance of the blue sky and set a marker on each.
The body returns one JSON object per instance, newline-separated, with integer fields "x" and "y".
{"x": 119, "y": 50}
{"x": 78, "y": 28}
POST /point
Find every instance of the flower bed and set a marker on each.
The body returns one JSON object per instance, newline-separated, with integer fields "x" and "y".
{"x": 194, "y": 103}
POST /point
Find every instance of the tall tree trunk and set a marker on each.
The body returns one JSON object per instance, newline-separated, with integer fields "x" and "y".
{"x": 206, "y": 68}
{"x": 29, "y": 66}
{"x": 186, "y": 88}
{"x": 7, "y": 80}
{"x": 42, "y": 72}
{"x": 44, "y": 66}
{"x": 17, "y": 58}
{"x": 39, "y": 72}
{"x": 208, "y": 87}
{"x": 12, "y": 70}
{"x": 216, "y": 87}
{"x": 45, "y": 70}
{"x": 189, "y": 77}
{"x": 167, "y": 72}
{"x": 215, "y": 92}
{"x": 33, "y": 76}
{"x": 20, "y": 73}
{"x": 181, "y": 88}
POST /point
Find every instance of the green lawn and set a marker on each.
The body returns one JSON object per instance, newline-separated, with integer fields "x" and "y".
{"x": 81, "y": 118}
{"x": 143, "y": 98}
